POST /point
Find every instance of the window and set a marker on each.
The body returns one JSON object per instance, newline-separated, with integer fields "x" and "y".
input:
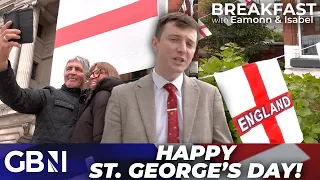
{"x": 34, "y": 70}
{"x": 40, "y": 29}
{"x": 309, "y": 33}
{"x": 317, "y": 24}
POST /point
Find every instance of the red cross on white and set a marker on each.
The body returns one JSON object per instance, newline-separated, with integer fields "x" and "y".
{"x": 203, "y": 30}
{"x": 117, "y": 32}
{"x": 184, "y": 7}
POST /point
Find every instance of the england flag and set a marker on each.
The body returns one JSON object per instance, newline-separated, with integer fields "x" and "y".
{"x": 259, "y": 103}
{"x": 185, "y": 9}
{"x": 203, "y": 30}
{"x": 117, "y": 32}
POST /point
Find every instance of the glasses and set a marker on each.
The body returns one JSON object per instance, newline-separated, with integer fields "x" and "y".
{"x": 96, "y": 73}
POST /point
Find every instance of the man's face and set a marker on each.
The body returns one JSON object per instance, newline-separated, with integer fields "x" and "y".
{"x": 175, "y": 49}
{"x": 74, "y": 75}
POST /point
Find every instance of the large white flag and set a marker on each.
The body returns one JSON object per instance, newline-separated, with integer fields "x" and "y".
{"x": 259, "y": 103}
{"x": 117, "y": 32}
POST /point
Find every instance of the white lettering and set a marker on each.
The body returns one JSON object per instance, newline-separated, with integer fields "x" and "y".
{"x": 300, "y": 11}
{"x": 242, "y": 124}
{"x": 257, "y": 115}
{"x": 172, "y": 170}
{"x": 286, "y": 101}
{"x": 167, "y": 153}
{"x": 311, "y": 5}
{"x": 273, "y": 171}
{"x": 151, "y": 170}
{"x": 181, "y": 153}
{"x": 265, "y": 9}
{"x": 96, "y": 170}
{"x": 217, "y": 9}
{"x": 183, "y": 170}
{"x": 252, "y": 168}
{"x": 197, "y": 151}
{"x": 195, "y": 170}
{"x": 273, "y": 108}
{"x": 289, "y": 9}
{"x": 30, "y": 161}
{"x": 8, "y": 164}
{"x": 264, "y": 113}
{"x": 134, "y": 166}
{"x": 212, "y": 151}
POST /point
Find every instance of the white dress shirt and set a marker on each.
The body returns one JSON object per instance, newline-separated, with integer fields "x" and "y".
{"x": 161, "y": 97}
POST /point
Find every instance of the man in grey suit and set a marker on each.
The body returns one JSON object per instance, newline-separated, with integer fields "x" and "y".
{"x": 167, "y": 106}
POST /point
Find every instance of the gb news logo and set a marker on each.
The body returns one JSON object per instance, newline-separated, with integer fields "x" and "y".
{"x": 36, "y": 161}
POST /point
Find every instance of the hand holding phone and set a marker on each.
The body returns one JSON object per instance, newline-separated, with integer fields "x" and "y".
{"x": 6, "y": 46}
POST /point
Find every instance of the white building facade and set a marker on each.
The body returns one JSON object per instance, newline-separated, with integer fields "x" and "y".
{"x": 31, "y": 64}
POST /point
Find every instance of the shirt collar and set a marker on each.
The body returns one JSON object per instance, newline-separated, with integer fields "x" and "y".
{"x": 160, "y": 81}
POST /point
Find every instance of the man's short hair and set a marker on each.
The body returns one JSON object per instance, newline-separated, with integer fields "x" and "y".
{"x": 180, "y": 20}
{"x": 85, "y": 63}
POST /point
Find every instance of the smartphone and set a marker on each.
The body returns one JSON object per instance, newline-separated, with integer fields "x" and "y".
{"x": 22, "y": 20}
{"x": 26, "y": 25}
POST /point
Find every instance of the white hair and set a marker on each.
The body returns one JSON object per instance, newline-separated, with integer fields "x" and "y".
{"x": 85, "y": 62}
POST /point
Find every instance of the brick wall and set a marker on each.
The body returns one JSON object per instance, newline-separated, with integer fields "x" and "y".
{"x": 290, "y": 30}
{"x": 273, "y": 51}
{"x": 174, "y": 5}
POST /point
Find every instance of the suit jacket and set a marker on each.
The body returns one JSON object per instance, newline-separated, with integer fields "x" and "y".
{"x": 130, "y": 114}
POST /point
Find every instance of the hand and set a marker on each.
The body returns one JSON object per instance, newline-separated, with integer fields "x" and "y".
{"x": 6, "y": 45}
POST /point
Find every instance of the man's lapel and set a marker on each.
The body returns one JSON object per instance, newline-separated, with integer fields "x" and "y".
{"x": 190, "y": 99}
{"x": 145, "y": 96}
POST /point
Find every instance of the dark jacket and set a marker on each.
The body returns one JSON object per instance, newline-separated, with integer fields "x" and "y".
{"x": 90, "y": 126}
{"x": 56, "y": 110}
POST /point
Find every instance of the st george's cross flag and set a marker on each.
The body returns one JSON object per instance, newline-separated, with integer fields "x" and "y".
{"x": 185, "y": 9}
{"x": 203, "y": 30}
{"x": 117, "y": 32}
{"x": 259, "y": 103}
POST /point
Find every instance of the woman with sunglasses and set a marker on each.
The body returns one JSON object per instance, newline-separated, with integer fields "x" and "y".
{"x": 103, "y": 77}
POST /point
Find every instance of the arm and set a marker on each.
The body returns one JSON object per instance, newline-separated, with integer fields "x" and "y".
{"x": 99, "y": 115}
{"x": 221, "y": 132}
{"x": 112, "y": 128}
{"x": 26, "y": 101}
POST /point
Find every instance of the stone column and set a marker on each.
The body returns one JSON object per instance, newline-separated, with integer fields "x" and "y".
{"x": 26, "y": 55}
{"x": 14, "y": 58}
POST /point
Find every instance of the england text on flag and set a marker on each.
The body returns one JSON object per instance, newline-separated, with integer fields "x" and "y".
{"x": 203, "y": 30}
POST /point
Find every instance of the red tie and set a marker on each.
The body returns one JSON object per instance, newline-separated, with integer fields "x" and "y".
{"x": 172, "y": 111}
